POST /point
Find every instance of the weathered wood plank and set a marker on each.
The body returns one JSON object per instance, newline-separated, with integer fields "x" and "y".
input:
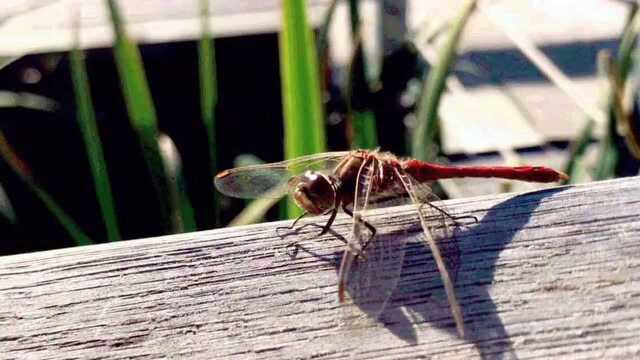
{"x": 547, "y": 274}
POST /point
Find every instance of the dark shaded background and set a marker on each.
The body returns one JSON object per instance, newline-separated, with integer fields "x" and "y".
{"x": 249, "y": 120}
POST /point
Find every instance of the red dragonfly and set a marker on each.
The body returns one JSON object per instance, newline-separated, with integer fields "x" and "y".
{"x": 360, "y": 180}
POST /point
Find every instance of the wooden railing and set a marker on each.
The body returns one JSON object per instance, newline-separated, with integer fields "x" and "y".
{"x": 548, "y": 274}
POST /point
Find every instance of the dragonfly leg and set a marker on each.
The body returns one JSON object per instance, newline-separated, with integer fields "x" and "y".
{"x": 455, "y": 219}
{"x": 368, "y": 225}
{"x": 327, "y": 226}
{"x": 293, "y": 224}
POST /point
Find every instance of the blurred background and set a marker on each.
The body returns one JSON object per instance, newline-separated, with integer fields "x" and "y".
{"x": 116, "y": 115}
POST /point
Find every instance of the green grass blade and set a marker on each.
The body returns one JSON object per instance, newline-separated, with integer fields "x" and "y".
{"x": 365, "y": 133}
{"x": 575, "y": 165}
{"x": 142, "y": 113}
{"x": 7, "y": 60}
{"x": 7, "y": 213}
{"x": 184, "y": 219}
{"x": 359, "y": 109}
{"x": 608, "y": 155}
{"x": 610, "y": 152}
{"x": 354, "y": 16}
{"x": 208, "y": 94}
{"x": 627, "y": 45}
{"x": 323, "y": 33}
{"x": 77, "y": 235}
{"x": 629, "y": 127}
{"x": 425, "y": 135}
{"x": 302, "y": 103}
{"x": 626, "y": 126}
{"x": 257, "y": 209}
{"x": 358, "y": 90}
{"x": 89, "y": 130}
{"x": 11, "y": 158}
{"x": 25, "y": 100}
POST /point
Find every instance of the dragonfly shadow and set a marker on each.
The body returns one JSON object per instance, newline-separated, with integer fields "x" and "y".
{"x": 471, "y": 254}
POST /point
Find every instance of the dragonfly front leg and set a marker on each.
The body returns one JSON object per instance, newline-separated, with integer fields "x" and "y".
{"x": 293, "y": 224}
{"x": 325, "y": 228}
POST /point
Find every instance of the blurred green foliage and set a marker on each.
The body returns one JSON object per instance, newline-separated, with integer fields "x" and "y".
{"x": 303, "y": 66}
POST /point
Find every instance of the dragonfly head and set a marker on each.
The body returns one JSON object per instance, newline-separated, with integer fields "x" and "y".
{"x": 314, "y": 192}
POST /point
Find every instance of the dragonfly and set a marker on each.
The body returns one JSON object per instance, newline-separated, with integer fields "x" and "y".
{"x": 357, "y": 181}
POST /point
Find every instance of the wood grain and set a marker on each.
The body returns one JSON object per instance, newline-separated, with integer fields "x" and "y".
{"x": 552, "y": 273}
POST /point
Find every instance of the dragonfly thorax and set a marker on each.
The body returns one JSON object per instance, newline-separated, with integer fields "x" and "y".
{"x": 314, "y": 192}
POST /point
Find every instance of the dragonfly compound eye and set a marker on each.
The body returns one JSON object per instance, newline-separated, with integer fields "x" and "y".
{"x": 314, "y": 192}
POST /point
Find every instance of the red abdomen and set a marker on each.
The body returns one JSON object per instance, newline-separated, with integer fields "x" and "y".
{"x": 424, "y": 171}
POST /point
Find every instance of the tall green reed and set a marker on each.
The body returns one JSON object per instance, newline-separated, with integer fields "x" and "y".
{"x": 358, "y": 89}
{"x": 142, "y": 116}
{"x": 304, "y": 126}
{"x": 21, "y": 170}
{"x": 621, "y": 140}
{"x": 425, "y": 137}
{"x": 208, "y": 94}
{"x": 91, "y": 137}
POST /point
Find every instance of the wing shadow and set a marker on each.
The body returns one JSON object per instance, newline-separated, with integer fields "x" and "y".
{"x": 475, "y": 250}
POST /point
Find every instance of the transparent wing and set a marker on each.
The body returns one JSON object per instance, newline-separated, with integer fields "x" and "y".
{"x": 440, "y": 229}
{"x": 370, "y": 267}
{"x": 270, "y": 179}
{"x": 434, "y": 229}
{"x": 359, "y": 235}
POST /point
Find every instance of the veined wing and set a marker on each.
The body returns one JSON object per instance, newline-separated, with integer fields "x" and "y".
{"x": 255, "y": 181}
{"x": 357, "y": 240}
{"x": 371, "y": 266}
{"x": 432, "y": 235}
{"x": 440, "y": 229}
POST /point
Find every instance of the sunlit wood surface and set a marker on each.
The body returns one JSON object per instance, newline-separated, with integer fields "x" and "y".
{"x": 547, "y": 274}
